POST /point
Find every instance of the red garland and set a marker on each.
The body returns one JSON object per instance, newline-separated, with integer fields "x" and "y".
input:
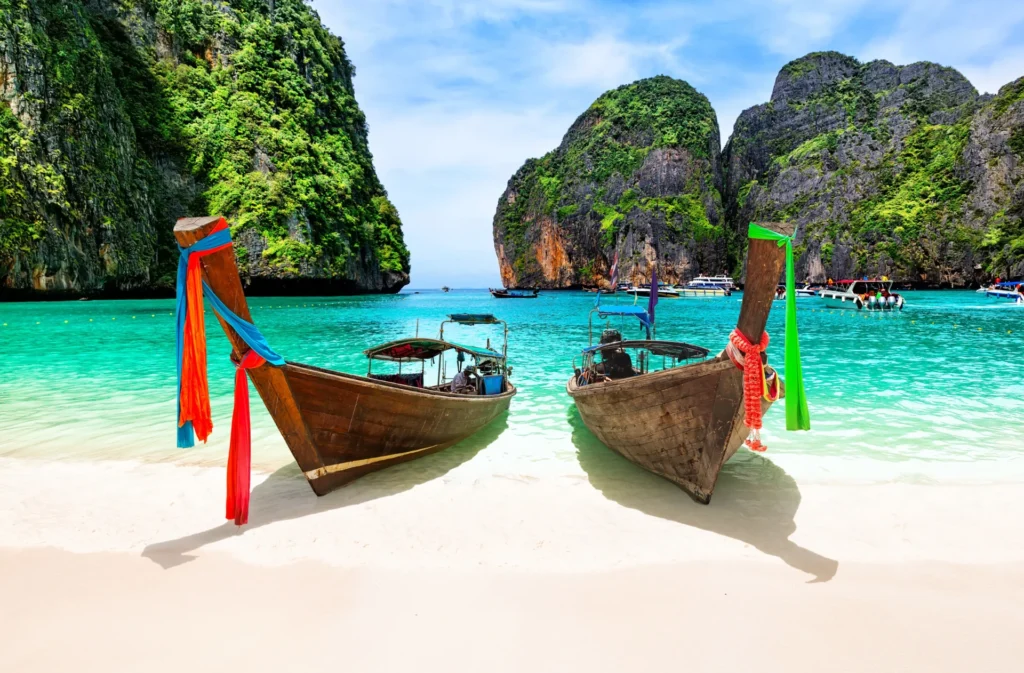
{"x": 240, "y": 453}
{"x": 753, "y": 382}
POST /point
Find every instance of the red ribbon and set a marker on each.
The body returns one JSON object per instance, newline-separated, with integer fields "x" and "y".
{"x": 240, "y": 453}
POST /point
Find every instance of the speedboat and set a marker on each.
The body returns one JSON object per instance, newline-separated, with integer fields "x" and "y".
{"x": 864, "y": 294}
{"x": 1011, "y": 289}
{"x": 703, "y": 286}
{"x": 803, "y": 291}
{"x": 645, "y": 290}
{"x": 721, "y": 280}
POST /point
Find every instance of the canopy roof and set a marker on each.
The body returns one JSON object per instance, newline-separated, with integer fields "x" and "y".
{"x": 1010, "y": 283}
{"x": 639, "y": 312}
{"x": 672, "y": 349}
{"x": 406, "y": 350}
{"x": 474, "y": 319}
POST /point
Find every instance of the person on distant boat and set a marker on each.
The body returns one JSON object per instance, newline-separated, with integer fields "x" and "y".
{"x": 615, "y": 362}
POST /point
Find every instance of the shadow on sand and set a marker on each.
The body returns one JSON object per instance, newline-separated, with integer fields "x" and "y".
{"x": 285, "y": 494}
{"x": 754, "y": 501}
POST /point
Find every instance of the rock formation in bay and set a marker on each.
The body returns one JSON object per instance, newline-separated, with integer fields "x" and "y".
{"x": 897, "y": 170}
{"x": 903, "y": 171}
{"x": 639, "y": 174}
{"x": 118, "y": 116}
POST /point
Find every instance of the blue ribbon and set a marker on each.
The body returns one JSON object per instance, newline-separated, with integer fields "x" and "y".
{"x": 249, "y": 332}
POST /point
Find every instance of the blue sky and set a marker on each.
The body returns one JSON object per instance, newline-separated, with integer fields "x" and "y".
{"x": 459, "y": 93}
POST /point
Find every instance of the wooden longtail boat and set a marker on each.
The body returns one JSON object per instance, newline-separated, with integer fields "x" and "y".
{"x": 342, "y": 426}
{"x": 514, "y": 293}
{"x": 685, "y": 421}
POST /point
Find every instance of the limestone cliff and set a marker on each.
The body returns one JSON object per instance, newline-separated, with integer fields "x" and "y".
{"x": 897, "y": 170}
{"x": 637, "y": 173}
{"x": 118, "y": 116}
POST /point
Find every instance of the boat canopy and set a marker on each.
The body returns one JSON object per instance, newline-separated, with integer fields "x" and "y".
{"x": 673, "y": 349}
{"x": 474, "y": 319}
{"x": 1010, "y": 283}
{"x": 637, "y": 311}
{"x": 407, "y": 350}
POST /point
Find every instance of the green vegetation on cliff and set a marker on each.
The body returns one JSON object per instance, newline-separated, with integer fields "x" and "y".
{"x": 885, "y": 169}
{"x": 124, "y": 114}
{"x": 597, "y": 173}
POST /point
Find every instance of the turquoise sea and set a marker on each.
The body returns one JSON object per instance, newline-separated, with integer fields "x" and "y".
{"x": 942, "y": 382}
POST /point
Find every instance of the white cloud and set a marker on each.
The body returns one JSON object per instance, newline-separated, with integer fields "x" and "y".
{"x": 988, "y": 78}
{"x": 458, "y": 93}
{"x": 606, "y": 61}
{"x": 949, "y": 33}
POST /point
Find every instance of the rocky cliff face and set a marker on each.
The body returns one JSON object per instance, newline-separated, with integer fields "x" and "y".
{"x": 638, "y": 173}
{"x": 118, "y": 116}
{"x": 896, "y": 170}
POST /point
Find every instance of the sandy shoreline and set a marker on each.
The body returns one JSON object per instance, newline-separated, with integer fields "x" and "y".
{"x": 121, "y": 612}
{"x": 447, "y": 564}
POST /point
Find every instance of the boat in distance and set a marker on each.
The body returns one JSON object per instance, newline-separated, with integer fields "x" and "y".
{"x": 684, "y": 420}
{"x": 664, "y": 290}
{"x": 702, "y": 286}
{"x": 721, "y": 280}
{"x": 1012, "y": 290}
{"x": 503, "y": 293}
{"x": 863, "y": 294}
{"x": 341, "y": 426}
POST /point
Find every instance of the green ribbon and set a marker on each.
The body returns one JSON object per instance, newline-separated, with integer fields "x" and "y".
{"x": 797, "y": 415}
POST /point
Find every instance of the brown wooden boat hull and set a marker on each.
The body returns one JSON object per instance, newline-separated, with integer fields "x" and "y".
{"x": 359, "y": 425}
{"x": 666, "y": 422}
{"x": 341, "y": 426}
{"x": 684, "y": 423}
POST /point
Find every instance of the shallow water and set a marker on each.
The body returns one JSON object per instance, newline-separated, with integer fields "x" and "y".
{"x": 939, "y": 383}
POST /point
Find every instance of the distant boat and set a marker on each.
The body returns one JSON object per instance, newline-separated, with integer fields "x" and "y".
{"x": 645, "y": 290}
{"x": 703, "y": 286}
{"x": 865, "y": 294}
{"x": 802, "y": 291}
{"x": 513, "y": 294}
{"x": 445, "y": 288}
{"x": 722, "y": 281}
{"x": 1011, "y": 289}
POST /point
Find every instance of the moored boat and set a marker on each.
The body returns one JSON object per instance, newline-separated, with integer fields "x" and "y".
{"x": 1012, "y": 290}
{"x": 644, "y": 290}
{"x": 802, "y": 291}
{"x": 723, "y": 281}
{"x": 864, "y": 294}
{"x": 703, "y": 286}
{"x": 514, "y": 293}
{"x": 684, "y": 419}
{"x": 338, "y": 426}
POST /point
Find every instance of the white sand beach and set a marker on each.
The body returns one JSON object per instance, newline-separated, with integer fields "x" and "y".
{"x": 447, "y": 563}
